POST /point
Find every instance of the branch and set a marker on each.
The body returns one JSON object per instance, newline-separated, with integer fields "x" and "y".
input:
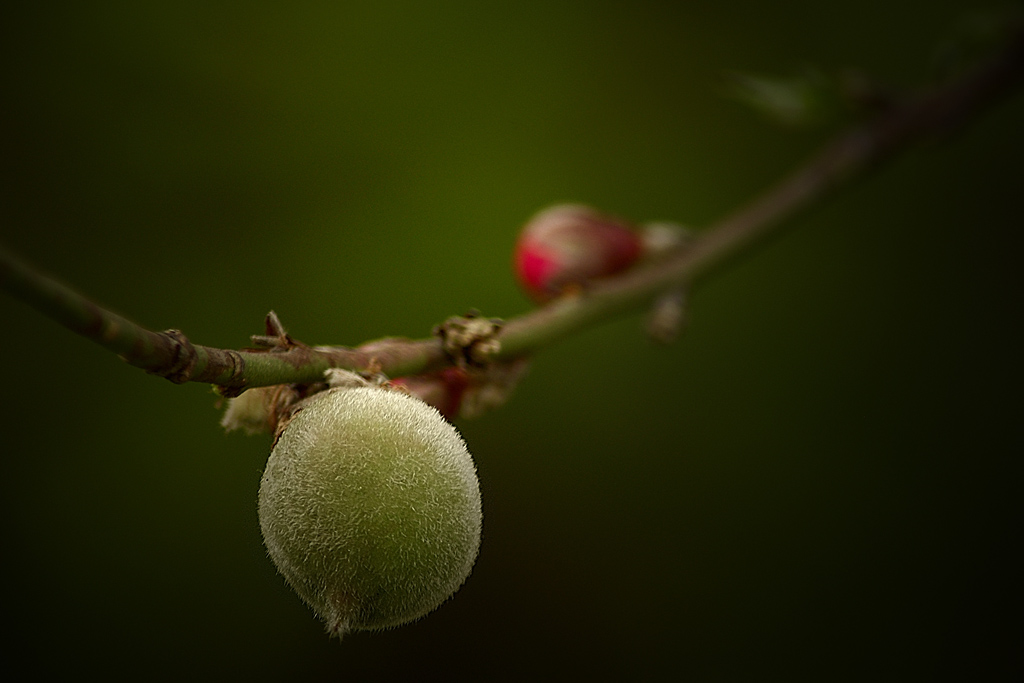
{"x": 170, "y": 354}
{"x": 850, "y": 156}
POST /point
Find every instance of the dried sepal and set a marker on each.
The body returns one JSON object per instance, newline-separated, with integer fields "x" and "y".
{"x": 443, "y": 389}
{"x": 260, "y": 409}
{"x": 466, "y": 392}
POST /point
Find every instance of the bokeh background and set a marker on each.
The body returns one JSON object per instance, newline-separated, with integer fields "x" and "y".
{"x": 819, "y": 480}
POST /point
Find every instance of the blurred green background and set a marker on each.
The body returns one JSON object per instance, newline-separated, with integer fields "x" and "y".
{"x": 819, "y": 480}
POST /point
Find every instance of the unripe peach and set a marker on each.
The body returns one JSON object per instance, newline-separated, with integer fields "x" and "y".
{"x": 370, "y": 508}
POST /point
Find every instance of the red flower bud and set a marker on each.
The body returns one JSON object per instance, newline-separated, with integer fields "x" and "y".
{"x": 569, "y": 245}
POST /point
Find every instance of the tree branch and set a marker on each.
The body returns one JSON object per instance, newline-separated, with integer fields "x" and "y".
{"x": 850, "y": 156}
{"x": 170, "y": 354}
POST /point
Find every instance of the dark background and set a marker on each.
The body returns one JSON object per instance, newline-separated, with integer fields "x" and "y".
{"x": 817, "y": 481}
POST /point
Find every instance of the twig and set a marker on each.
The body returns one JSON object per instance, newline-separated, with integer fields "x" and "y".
{"x": 850, "y": 156}
{"x": 170, "y": 354}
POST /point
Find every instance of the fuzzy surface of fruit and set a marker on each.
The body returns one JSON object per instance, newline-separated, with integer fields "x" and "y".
{"x": 569, "y": 245}
{"x": 370, "y": 508}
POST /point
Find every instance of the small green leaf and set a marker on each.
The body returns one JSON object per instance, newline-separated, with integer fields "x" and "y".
{"x": 798, "y": 100}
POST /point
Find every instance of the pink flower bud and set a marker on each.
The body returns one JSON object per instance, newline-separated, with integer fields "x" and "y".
{"x": 568, "y": 245}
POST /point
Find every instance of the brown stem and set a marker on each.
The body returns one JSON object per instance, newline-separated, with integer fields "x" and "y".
{"x": 170, "y": 354}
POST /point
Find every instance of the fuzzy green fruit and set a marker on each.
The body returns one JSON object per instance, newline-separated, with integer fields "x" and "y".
{"x": 370, "y": 508}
